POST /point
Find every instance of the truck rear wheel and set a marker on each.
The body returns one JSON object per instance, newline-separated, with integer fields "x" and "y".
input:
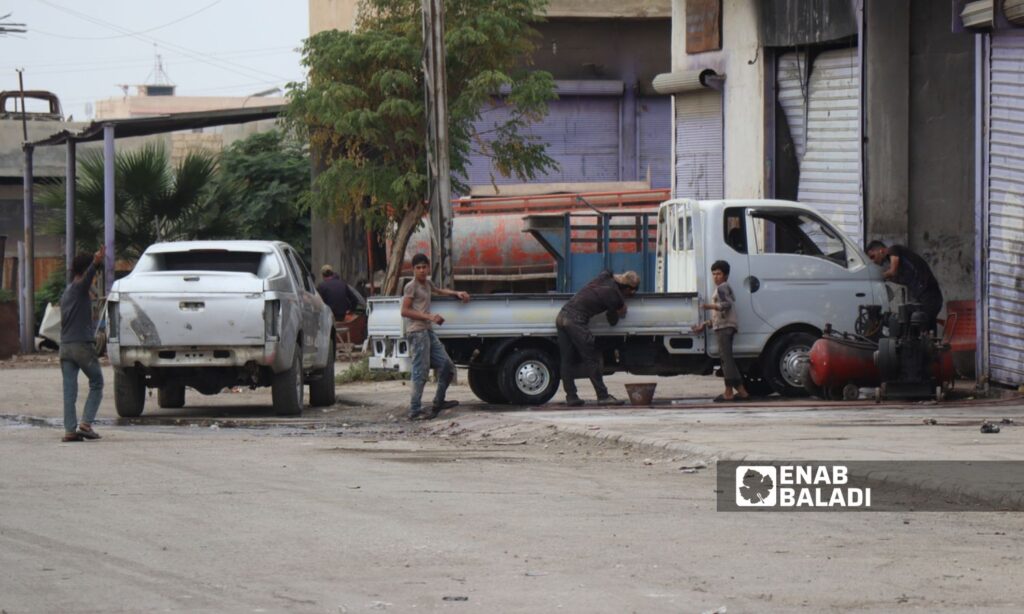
{"x": 287, "y": 387}
{"x": 786, "y": 363}
{"x": 528, "y": 377}
{"x": 321, "y": 391}
{"x": 171, "y": 396}
{"x": 129, "y": 393}
{"x": 484, "y": 384}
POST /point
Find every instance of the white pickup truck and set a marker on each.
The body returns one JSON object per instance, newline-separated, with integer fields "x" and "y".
{"x": 792, "y": 272}
{"x": 215, "y": 314}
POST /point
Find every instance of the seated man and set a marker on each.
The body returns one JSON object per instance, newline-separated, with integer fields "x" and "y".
{"x": 337, "y": 294}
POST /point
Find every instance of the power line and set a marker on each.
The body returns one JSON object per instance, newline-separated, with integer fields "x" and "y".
{"x": 223, "y": 65}
{"x": 127, "y": 34}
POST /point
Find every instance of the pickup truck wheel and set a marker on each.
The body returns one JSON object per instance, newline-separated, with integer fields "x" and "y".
{"x": 171, "y": 396}
{"x": 321, "y": 391}
{"x": 528, "y": 377}
{"x": 287, "y": 387}
{"x": 129, "y": 393}
{"x": 786, "y": 364}
{"x": 484, "y": 384}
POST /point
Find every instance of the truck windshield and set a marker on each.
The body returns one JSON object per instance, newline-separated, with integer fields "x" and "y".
{"x": 786, "y": 232}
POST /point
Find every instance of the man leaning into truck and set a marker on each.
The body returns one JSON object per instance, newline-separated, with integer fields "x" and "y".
{"x": 605, "y": 293}
{"x": 907, "y": 268}
{"x": 426, "y": 349}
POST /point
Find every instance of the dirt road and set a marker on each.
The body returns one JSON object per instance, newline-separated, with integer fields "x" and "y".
{"x": 345, "y": 512}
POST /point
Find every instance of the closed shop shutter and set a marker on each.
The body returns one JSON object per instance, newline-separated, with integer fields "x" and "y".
{"x": 830, "y": 167}
{"x": 581, "y": 132}
{"x": 792, "y": 91}
{"x": 699, "y": 167}
{"x": 1005, "y": 265}
{"x": 655, "y": 133}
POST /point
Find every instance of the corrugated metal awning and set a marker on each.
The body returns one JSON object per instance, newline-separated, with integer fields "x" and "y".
{"x": 158, "y": 124}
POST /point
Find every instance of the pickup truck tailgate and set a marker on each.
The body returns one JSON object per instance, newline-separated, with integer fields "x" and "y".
{"x": 202, "y": 309}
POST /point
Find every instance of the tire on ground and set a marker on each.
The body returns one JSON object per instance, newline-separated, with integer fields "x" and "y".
{"x": 171, "y": 396}
{"x": 129, "y": 393}
{"x": 321, "y": 391}
{"x": 528, "y": 377}
{"x": 287, "y": 387}
{"x": 785, "y": 365}
{"x": 484, "y": 384}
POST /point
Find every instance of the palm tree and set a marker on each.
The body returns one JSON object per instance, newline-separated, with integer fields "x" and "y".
{"x": 153, "y": 202}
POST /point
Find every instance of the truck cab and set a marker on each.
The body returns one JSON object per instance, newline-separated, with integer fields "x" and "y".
{"x": 791, "y": 269}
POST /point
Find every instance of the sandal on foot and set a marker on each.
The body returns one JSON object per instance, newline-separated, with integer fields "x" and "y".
{"x": 86, "y": 432}
{"x": 721, "y": 399}
{"x": 72, "y": 437}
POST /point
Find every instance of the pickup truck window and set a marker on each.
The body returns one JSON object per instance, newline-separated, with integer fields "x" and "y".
{"x": 299, "y": 271}
{"x": 209, "y": 260}
{"x": 797, "y": 233}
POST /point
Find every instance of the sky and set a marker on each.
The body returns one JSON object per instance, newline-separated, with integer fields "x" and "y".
{"x": 84, "y": 50}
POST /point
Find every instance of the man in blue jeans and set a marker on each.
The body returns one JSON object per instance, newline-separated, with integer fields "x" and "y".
{"x": 78, "y": 348}
{"x": 426, "y": 349}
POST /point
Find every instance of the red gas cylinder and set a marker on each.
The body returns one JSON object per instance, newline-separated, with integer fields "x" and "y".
{"x": 836, "y": 362}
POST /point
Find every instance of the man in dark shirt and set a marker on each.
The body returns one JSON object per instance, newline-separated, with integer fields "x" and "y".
{"x": 78, "y": 348}
{"x": 605, "y": 293}
{"x": 909, "y": 269}
{"x": 336, "y": 293}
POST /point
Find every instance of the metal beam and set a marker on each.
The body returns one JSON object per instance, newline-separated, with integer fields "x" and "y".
{"x": 70, "y": 180}
{"x": 108, "y": 206}
{"x": 28, "y": 273}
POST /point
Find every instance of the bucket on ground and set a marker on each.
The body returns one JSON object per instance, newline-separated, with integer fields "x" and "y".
{"x": 641, "y": 394}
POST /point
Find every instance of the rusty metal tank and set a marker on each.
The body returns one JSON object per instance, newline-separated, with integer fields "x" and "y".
{"x": 488, "y": 239}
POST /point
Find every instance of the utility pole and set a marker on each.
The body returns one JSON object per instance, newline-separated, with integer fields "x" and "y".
{"x": 438, "y": 168}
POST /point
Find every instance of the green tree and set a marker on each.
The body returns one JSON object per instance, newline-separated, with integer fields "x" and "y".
{"x": 362, "y": 107}
{"x": 153, "y": 201}
{"x": 263, "y": 177}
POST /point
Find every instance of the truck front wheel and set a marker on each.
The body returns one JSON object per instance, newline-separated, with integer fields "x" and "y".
{"x": 287, "y": 387}
{"x": 484, "y": 384}
{"x": 528, "y": 377}
{"x": 129, "y": 393}
{"x": 786, "y": 363}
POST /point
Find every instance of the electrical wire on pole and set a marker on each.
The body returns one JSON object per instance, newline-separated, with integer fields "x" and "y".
{"x": 438, "y": 166}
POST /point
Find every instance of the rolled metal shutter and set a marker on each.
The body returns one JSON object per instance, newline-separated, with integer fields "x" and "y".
{"x": 655, "y": 134}
{"x": 1005, "y": 266}
{"x": 791, "y": 84}
{"x": 581, "y": 132}
{"x": 699, "y": 164}
{"x": 830, "y": 168}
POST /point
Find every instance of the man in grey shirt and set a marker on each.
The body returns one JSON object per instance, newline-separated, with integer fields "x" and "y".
{"x": 78, "y": 348}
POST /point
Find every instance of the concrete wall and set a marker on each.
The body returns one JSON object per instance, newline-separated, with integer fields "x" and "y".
{"x": 139, "y": 106}
{"x": 941, "y": 213}
{"x": 634, "y": 51}
{"x": 887, "y": 120}
{"x": 610, "y": 8}
{"x": 740, "y": 59}
{"x": 331, "y": 15}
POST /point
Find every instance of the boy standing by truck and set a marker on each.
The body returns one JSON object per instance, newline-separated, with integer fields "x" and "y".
{"x": 725, "y": 324}
{"x": 426, "y": 349}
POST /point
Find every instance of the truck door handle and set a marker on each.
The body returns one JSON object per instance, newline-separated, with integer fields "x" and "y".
{"x": 861, "y": 294}
{"x": 755, "y": 284}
